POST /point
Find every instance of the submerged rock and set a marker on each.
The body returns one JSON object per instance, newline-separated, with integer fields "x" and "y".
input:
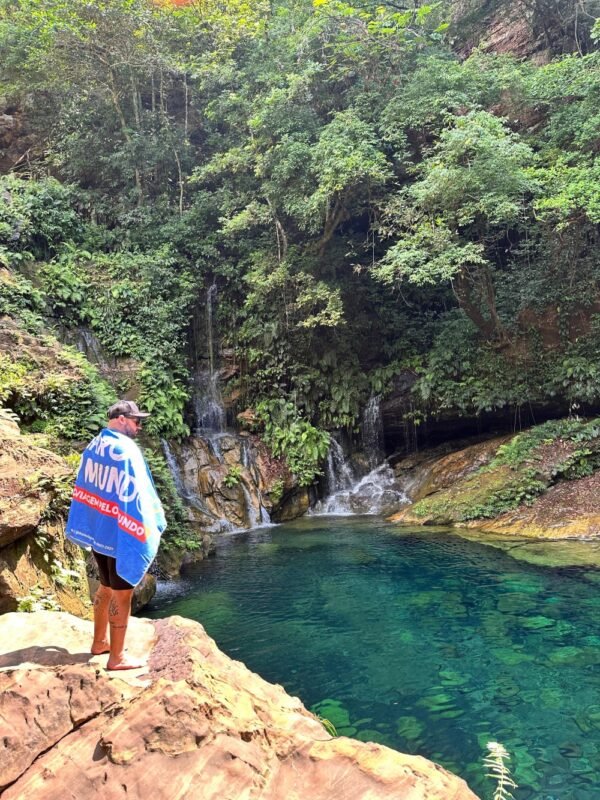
{"x": 193, "y": 724}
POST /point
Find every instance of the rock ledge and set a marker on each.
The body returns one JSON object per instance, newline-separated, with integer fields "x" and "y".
{"x": 193, "y": 723}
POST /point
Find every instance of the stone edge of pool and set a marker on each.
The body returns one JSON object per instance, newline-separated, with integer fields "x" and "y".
{"x": 193, "y": 722}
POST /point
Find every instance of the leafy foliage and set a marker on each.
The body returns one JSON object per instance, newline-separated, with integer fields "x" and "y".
{"x": 35, "y": 218}
{"x": 365, "y": 200}
{"x": 496, "y": 762}
{"x": 521, "y": 470}
{"x": 37, "y": 600}
{"x": 68, "y": 402}
{"x": 233, "y": 477}
{"x": 288, "y": 434}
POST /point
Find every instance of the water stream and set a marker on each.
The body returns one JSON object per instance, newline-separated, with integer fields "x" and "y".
{"x": 372, "y": 432}
{"x": 205, "y": 449}
{"x": 208, "y": 406}
{"x": 416, "y": 639}
{"x": 191, "y": 498}
{"x": 339, "y": 472}
{"x": 378, "y": 492}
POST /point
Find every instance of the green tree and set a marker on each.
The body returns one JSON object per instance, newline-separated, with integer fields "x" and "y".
{"x": 473, "y": 186}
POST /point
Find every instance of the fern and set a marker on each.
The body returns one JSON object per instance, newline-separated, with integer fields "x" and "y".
{"x": 498, "y": 771}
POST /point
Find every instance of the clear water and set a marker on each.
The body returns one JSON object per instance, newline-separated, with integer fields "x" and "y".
{"x": 418, "y": 640}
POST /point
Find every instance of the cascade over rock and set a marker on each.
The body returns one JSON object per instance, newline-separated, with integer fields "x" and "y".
{"x": 348, "y": 490}
{"x": 227, "y": 480}
{"x": 117, "y": 370}
{"x": 372, "y": 432}
{"x": 193, "y": 724}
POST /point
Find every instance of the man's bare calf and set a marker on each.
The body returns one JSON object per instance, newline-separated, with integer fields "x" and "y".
{"x": 119, "y": 611}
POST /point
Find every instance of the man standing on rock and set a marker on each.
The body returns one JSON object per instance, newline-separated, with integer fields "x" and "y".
{"x": 116, "y": 512}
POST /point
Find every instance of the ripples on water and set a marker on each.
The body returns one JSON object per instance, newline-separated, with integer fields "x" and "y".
{"x": 421, "y": 641}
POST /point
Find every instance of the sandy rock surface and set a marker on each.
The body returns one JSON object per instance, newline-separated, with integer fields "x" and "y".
{"x": 427, "y": 472}
{"x": 453, "y": 483}
{"x": 193, "y": 723}
{"x": 23, "y": 499}
{"x": 567, "y": 510}
{"x": 32, "y": 541}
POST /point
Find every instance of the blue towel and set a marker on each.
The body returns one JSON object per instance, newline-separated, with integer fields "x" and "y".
{"x": 115, "y": 509}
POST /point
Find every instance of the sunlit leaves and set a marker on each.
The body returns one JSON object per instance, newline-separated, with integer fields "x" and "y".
{"x": 428, "y": 254}
{"x": 571, "y": 191}
{"x": 476, "y": 173}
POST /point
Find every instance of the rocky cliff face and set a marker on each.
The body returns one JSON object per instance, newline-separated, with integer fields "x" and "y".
{"x": 468, "y": 488}
{"x": 193, "y": 724}
{"x": 538, "y": 29}
{"x": 226, "y": 478}
{"x": 34, "y": 555}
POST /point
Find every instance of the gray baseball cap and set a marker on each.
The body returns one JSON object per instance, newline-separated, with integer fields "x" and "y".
{"x": 128, "y": 409}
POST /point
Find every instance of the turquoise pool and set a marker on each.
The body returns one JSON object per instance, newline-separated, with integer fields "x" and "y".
{"x": 419, "y": 640}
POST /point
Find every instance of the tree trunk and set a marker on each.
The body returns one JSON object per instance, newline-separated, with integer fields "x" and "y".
{"x": 114, "y": 93}
{"x": 333, "y": 220}
{"x": 490, "y": 326}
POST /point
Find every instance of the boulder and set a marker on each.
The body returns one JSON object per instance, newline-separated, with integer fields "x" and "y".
{"x": 293, "y": 504}
{"x": 193, "y": 723}
{"x": 30, "y": 571}
{"x": 429, "y": 471}
{"x": 143, "y": 593}
{"x": 26, "y": 474}
{"x": 172, "y": 560}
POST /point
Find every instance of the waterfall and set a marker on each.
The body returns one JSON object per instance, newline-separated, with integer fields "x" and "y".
{"x": 211, "y": 295}
{"x": 256, "y": 514}
{"x": 174, "y": 469}
{"x": 218, "y": 449}
{"x": 214, "y": 442}
{"x": 208, "y": 405}
{"x": 375, "y": 493}
{"x": 191, "y": 499}
{"x": 247, "y": 459}
{"x": 339, "y": 474}
{"x": 253, "y": 517}
{"x": 86, "y": 341}
{"x": 208, "y": 409}
{"x": 372, "y": 432}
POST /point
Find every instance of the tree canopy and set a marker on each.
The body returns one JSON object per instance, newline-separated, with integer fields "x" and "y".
{"x": 367, "y": 190}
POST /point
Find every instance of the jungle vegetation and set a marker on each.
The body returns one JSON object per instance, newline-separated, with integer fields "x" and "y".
{"x": 370, "y": 194}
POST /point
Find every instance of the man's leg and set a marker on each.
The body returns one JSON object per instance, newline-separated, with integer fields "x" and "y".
{"x": 101, "y": 603}
{"x": 119, "y": 610}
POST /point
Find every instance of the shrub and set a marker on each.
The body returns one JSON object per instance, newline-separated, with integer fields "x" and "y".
{"x": 288, "y": 434}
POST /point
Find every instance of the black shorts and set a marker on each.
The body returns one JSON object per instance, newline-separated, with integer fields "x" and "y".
{"x": 107, "y": 567}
